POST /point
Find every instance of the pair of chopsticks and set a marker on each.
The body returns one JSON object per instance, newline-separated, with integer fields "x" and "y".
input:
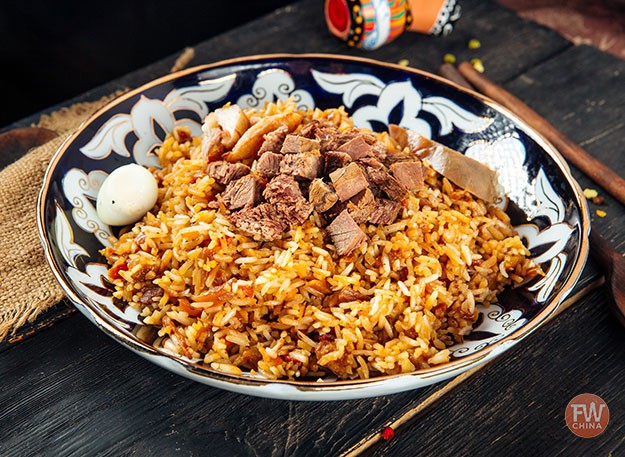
{"x": 612, "y": 263}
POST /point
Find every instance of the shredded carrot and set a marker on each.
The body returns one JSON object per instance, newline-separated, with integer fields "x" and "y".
{"x": 187, "y": 308}
{"x": 115, "y": 269}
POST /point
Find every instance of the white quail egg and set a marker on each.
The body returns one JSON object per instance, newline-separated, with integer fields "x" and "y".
{"x": 126, "y": 195}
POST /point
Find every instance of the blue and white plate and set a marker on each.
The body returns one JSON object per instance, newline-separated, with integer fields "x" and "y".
{"x": 545, "y": 202}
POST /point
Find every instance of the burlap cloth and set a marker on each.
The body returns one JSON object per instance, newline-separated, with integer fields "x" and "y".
{"x": 27, "y": 285}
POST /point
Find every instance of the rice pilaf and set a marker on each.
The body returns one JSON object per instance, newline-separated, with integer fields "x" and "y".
{"x": 292, "y": 307}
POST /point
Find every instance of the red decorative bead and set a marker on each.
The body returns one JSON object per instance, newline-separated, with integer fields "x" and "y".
{"x": 388, "y": 433}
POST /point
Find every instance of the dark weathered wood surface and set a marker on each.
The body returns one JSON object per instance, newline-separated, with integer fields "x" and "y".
{"x": 70, "y": 390}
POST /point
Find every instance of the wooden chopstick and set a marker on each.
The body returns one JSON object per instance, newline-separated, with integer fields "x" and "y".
{"x": 596, "y": 170}
{"x": 451, "y": 73}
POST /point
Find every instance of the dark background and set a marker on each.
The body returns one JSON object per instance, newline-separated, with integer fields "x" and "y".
{"x": 53, "y": 50}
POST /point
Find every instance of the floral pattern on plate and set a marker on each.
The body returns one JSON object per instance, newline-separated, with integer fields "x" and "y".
{"x": 544, "y": 202}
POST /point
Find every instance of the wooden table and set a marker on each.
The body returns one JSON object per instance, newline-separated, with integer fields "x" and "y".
{"x": 70, "y": 390}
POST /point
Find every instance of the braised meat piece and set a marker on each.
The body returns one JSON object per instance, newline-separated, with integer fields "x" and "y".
{"x": 293, "y": 167}
{"x": 305, "y": 165}
{"x": 309, "y": 129}
{"x": 223, "y": 172}
{"x": 282, "y": 189}
{"x": 348, "y": 181}
{"x": 328, "y": 136}
{"x": 344, "y": 296}
{"x": 295, "y": 213}
{"x": 321, "y": 196}
{"x": 267, "y": 165}
{"x": 378, "y": 149}
{"x": 397, "y": 157}
{"x": 262, "y": 220}
{"x": 377, "y": 174}
{"x": 295, "y": 143}
{"x": 273, "y": 140}
{"x": 385, "y": 211}
{"x": 242, "y": 192}
{"x": 361, "y": 206}
{"x": 284, "y": 194}
{"x": 346, "y": 235}
{"x": 335, "y": 160}
{"x": 347, "y": 295}
{"x": 357, "y": 148}
{"x": 149, "y": 293}
{"x": 409, "y": 174}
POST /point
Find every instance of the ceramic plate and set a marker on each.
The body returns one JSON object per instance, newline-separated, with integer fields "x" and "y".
{"x": 545, "y": 203}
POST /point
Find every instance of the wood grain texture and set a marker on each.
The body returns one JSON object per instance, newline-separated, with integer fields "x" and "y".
{"x": 72, "y": 391}
{"x": 587, "y": 106}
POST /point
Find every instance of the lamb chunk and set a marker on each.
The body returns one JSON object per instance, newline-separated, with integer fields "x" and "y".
{"x": 357, "y": 148}
{"x": 378, "y": 149}
{"x": 344, "y": 296}
{"x": 242, "y": 192}
{"x": 409, "y": 174}
{"x": 295, "y": 143}
{"x": 273, "y": 140}
{"x": 345, "y": 234}
{"x": 309, "y": 129}
{"x": 397, "y": 157}
{"x": 335, "y": 160}
{"x": 294, "y": 213}
{"x": 262, "y": 220}
{"x": 282, "y": 189}
{"x": 332, "y": 213}
{"x": 306, "y": 165}
{"x": 378, "y": 175}
{"x": 224, "y": 172}
{"x": 348, "y": 181}
{"x": 328, "y": 137}
{"x": 350, "y": 134}
{"x": 321, "y": 196}
{"x": 347, "y": 295}
{"x": 385, "y": 211}
{"x": 284, "y": 194}
{"x": 267, "y": 165}
{"x": 149, "y": 293}
{"x": 361, "y": 206}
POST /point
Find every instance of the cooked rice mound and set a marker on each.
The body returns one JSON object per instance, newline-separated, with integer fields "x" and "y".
{"x": 293, "y": 308}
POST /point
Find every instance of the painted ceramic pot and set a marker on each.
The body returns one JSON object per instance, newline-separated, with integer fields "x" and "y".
{"x": 544, "y": 201}
{"x": 369, "y": 24}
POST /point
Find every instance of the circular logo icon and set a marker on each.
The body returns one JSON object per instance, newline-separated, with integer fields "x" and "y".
{"x": 587, "y": 415}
